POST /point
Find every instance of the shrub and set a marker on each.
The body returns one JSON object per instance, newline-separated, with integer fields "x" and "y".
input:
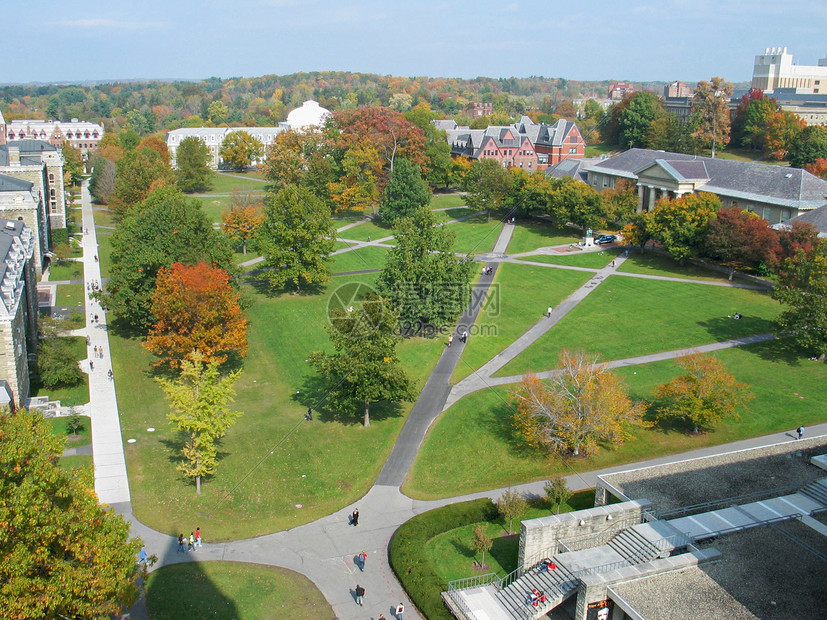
{"x": 57, "y": 365}
{"x": 407, "y": 551}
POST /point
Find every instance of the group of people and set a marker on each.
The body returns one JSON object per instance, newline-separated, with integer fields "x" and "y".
{"x": 487, "y": 270}
{"x": 92, "y": 286}
{"x": 189, "y": 544}
{"x": 537, "y": 597}
{"x": 98, "y": 351}
{"x": 360, "y": 599}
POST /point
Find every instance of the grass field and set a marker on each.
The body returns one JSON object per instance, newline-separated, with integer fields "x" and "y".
{"x": 601, "y": 148}
{"x": 275, "y": 470}
{"x": 60, "y": 428}
{"x": 370, "y": 257}
{"x": 70, "y": 295}
{"x": 476, "y": 235}
{"x": 530, "y": 235}
{"x": 214, "y": 206}
{"x": 507, "y": 314}
{"x": 226, "y": 183}
{"x": 66, "y": 270}
{"x": 590, "y": 260}
{"x": 659, "y": 265}
{"x": 373, "y": 230}
{"x": 788, "y": 388}
{"x": 446, "y": 201}
{"x": 632, "y": 316}
{"x": 232, "y": 590}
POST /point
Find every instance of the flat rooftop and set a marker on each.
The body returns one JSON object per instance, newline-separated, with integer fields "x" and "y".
{"x": 708, "y": 479}
{"x": 767, "y": 572}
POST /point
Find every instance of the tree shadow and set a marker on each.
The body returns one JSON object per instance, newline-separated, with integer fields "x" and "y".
{"x": 726, "y": 327}
{"x": 501, "y": 424}
{"x": 463, "y": 549}
{"x": 181, "y": 589}
{"x": 263, "y": 287}
{"x": 506, "y": 550}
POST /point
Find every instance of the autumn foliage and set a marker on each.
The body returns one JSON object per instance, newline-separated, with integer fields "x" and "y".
{"x": 196, "y": 309}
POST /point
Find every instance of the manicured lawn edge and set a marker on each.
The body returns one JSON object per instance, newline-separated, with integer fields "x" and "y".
{"x": 409, "y": 560}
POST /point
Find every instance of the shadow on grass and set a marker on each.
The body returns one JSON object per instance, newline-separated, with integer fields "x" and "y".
{"x": 727, "y": 328}
{"x": 315, "y": 394}
{"x": 501, "y": 424}
{"x": 505, "y": 550}
{"x": 265, "y": 288}
{"x": 185, "y": 591}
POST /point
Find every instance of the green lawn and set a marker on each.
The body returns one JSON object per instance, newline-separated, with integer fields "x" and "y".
{"x": 445, "y": 201}
{"x": 590, "y": 260}
{"x": 105, "y": 253}
{"x": 214, "y": 206}
{"x": 747, "y": 155}
{"x": 788, "y": 388}
{"x": 231, "y": 591}
{"x": 66, "y": 270}
{"x": 632, "y": 316}
{"x": 226, "y": 183}
{"x": 476, "y": 235}
{"x": 60, "y": 428}
{"x": 451, "y": 555}
{"x": 373, "y": 230}
{"x": 659, "y": 265}
{"x": 276, "y": 470}
{"x": 70, "y": 295}
{"x": 104, "y": 217}
{"x": 370, "y": 257}
{"x": 520, "y": 296}
{"x": 69, "y": 396}
{"x": 76, "y": 462}
{"x": 530, "y": 235}
{"x": 601, "y": 148}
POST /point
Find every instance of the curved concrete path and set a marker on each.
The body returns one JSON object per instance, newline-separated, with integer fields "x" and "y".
{"x": 325, "y": 550}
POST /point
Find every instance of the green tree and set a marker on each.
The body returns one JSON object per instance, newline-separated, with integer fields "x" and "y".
{"x": 511, "y": 505}
{"x": 128, "y": 138}
{"x": 364, "y": 368}
{"x": 239, "y": 149}
{"x": 808, "y": 146}
{"x": 423, "y": 279}
{"x": 557, "y": 492}
{"x": 193, "y": 164}
{"x": 751, "y": 121}
{"x": 635, "y": 116}
{"x": 166, "y": 228}
{"x": 138, "y": 172}
{"x": 62, "y": 554}
{"x": 241, "y": 221}
{"x": 481, "y": 542}
{"x": 620, "y": 201}
{"x": 681, "y": 224}
{"x": 57, "y": 365}
{"x": 803, "y": 292}
{"x": 217, "y": 112}
{"x": 199, "y": 400}
{"x": 577, "y": 202}
{"x": 405, "y": 192}
{"x": 72, "y": 163}
{"x": 488, "y": 184}
{"x": 296, "y": 237}
{"x": 710, "y": 108}
{"x": 703, "y": 396}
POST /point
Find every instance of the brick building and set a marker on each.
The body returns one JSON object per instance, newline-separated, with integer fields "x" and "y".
{"x": 676, "y": 89}
{"x": 82, "y": 135}
{"x": 619, "y": 90}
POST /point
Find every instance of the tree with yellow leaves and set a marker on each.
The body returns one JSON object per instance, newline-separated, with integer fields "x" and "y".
{"x": 583, "y": 405}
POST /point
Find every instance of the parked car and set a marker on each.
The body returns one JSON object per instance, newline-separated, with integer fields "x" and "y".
{"x": 602, "y": 239}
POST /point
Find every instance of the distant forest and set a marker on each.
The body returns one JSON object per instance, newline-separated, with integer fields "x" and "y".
{"x": 154, "y": 106}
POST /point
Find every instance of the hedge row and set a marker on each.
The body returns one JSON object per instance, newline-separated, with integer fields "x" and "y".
{"x": 407, "y": 552}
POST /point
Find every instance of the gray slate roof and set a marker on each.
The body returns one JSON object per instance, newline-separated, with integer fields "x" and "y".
{"x": 781, "y": 185}
{"x": 574, "y": 168}
{"x": 12, "y": 184}
{"x": 816, "y": 217}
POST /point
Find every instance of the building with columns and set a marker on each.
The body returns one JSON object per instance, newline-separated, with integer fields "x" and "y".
{"x": 18, "y": 307}
{"x": 776, "y": 193}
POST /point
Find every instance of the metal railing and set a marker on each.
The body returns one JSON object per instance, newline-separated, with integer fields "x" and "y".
{"x": 740, "y": 528}
{"x": 472, "y": 582}
{"x": 725, "y": 502}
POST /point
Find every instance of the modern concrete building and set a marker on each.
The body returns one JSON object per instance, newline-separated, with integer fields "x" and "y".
{"x": 309, "y": 114}
{"x": 18, "y": 307}
{"x": 739, "y": 536}
{"x": 776, "y": 193}
{"x": 775, "y": 69}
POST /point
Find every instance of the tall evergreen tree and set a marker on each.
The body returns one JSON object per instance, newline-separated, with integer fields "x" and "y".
{"x": 405, "y": 192}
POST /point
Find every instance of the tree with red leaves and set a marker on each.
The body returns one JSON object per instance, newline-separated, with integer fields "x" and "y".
{"x": 196, "y": 309}
{"x": 740, "y": 239}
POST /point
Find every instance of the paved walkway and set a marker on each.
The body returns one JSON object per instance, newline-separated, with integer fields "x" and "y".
{"x": 111, "y": 483}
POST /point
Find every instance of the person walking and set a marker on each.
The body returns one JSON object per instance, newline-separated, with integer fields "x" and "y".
{"x": 363, "y": 558}
{"x": 464, "y": 336}
{"x": 549, "y": 311}
{"x": 181, "y": 547}
{"x": 191, "y": 542}
{"x": 142, "y": 555}
{"x": 354, "y": 517}
{"x": 450, "y": 340}
{"x": 360, "y": 593}
{"x": 197, "y": 538}
{"x": 91, "y": 365}
{"x": 800, "y": 431}
{"x": 400, "y": 609}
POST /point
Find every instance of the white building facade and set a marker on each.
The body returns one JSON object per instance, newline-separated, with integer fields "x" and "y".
{"x": 774, "y": 69}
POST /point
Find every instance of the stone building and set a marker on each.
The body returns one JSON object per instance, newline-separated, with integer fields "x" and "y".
{"x": 776, "y": 193}
{"x": 82, "y": 135}
{"x": 18, "y": 306}
{"x": 22, "y": 200}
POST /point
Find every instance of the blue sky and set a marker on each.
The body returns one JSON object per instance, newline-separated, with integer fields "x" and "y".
{"x": 66, "y": 40}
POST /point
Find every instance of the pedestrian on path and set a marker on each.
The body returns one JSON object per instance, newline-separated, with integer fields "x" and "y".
{"x": 549, "y": 311}
{"x": 88, "y": 341}
{"x": 800, "y": 431}
{"x": 181, "y": 547}
{"x": 197, "y": 537}
{"x": 363, "y": 558}
{"x": 354, "y": 517}
{"x": 95, "y": 349}
{"x": 142, "y": 555}
{"x": 464, "y": 336}
{"x": 191, "y": 542}
{"x": 360, "y": 593}
{"x": 400, "y": 609}
{"x": 450, "y": 340}
{"x": 109, "y": 374}
{"x": 100, "y": 352}
{"x": 613, "y": 262}
{"x": 91, "y": 365}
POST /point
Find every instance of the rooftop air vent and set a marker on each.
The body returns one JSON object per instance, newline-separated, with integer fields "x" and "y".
{"x": 789, "y": 175}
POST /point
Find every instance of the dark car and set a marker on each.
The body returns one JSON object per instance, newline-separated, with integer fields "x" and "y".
{"x": 605, "y": 239}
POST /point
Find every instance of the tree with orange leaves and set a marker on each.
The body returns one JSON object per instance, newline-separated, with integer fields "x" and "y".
{"x": 196, "y": 309}
{"x": 818, "y": 168}
{"x": 581, "y": 406}
{"x": 242, "y": 219}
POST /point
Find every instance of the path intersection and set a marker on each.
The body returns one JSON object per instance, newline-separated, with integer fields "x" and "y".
{"x": 325, "y": 550}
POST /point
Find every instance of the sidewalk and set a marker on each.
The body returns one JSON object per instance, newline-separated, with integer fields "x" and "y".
{"x": 111, "y": 483}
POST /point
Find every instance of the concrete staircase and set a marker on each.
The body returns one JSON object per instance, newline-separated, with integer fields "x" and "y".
{"x": 634, "y": 547}
{"x": 556, "y": 584}
{"x": 816, "y": 491}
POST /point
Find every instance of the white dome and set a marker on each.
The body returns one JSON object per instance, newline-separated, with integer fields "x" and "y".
{"x": 311, "y": 114}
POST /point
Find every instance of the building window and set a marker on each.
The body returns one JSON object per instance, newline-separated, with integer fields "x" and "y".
{"x": 573, "y": 149}
{"x": 51, "y": 177}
